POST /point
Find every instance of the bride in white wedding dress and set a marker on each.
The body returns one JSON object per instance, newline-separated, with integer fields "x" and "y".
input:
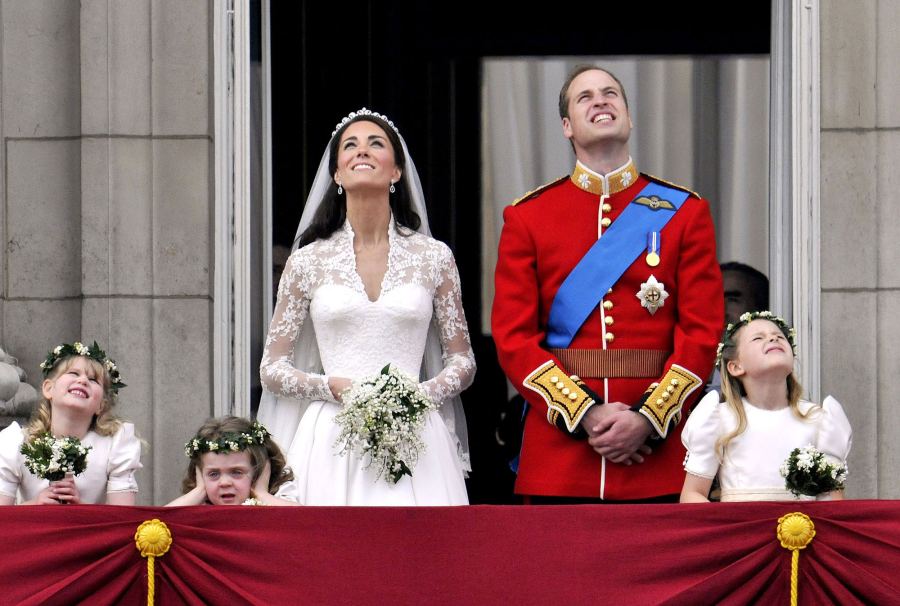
{"x": 367, "y": 287}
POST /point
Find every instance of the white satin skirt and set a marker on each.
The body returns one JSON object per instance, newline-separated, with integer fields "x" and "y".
{"x": 324, "y": 477}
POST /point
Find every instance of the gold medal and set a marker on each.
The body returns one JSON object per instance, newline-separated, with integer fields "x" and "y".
{"x": 653, "y": 242}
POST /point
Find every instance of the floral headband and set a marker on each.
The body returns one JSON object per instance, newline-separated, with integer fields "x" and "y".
{"x": 748, "y": 317}
{"x": 362, "y": 112}
{"x": 229, "y": 442}
{"x": 94, "y": 352}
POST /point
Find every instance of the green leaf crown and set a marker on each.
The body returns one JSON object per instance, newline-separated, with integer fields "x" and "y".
{"x": 228, "y": 442}
{"x": 94, "y": 352}
{"x": 746, "y": 318}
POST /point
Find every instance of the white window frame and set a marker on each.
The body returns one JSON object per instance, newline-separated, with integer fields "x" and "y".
{"x": 794, "y": 179}
{"x": 231, "y": 137}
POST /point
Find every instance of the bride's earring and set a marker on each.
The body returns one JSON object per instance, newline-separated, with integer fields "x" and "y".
{"x": 393, "y": 189}
{"x": 340, "y": 189}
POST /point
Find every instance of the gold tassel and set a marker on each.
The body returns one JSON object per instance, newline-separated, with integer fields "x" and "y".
{"x": 795, "y": 531}
{"x": 153, "y": 540}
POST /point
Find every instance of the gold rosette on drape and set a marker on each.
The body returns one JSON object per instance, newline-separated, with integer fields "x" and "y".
{"x": 795, "y": 531}
{"x": 153, "y": 540}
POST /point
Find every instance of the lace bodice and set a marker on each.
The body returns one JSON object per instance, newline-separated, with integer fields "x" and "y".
{"x": 356, "y": 336}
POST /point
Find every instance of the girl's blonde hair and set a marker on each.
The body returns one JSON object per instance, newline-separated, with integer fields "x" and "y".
{"x": 733, "y": 390}
{"x": 221, "y": 427}
{"x": 104, "y": 423}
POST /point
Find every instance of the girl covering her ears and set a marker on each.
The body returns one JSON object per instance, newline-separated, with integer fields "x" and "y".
{"x": 234, "y": 461}
{"x": 745, "y": 438}
{"x": 79, "y": 392}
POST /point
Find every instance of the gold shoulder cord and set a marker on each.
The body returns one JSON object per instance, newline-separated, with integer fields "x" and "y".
{"x": 670, "y": 184}
{"x": 541, "y": 189}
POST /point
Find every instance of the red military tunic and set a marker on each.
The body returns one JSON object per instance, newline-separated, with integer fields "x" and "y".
{"x": 544, "y": 236}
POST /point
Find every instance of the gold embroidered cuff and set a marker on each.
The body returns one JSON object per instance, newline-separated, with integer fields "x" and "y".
{"x": 663, "y": 405}
{"x": 564, "y": 397}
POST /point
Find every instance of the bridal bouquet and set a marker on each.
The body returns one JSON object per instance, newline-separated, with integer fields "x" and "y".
{"x": 52, "y": 458}
{"x": 383, "y": 417}
{"x": 806, "y": 471}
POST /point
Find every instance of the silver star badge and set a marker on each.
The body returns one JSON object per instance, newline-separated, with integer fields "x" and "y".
{"x": 584, "y": 180}
{"x": 652, "y": 294}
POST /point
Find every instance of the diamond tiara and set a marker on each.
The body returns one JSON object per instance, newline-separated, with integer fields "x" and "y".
{"x": 362, "y": 112}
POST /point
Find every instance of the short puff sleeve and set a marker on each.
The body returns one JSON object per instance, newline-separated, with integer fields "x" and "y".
{"x": 11, "y": 460}
{"x": 124, "y": 460}
{"x": 835, "y": 434}
{"x": 289, "y": 491}
{"x": 701, "y": 431}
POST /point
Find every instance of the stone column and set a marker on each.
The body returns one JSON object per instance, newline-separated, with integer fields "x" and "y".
{"x": 41, "y": 176}
{"x": 147, "y": 223}
{"x": 860, "y": 233}
{"x": 106, "y": 119}
{"x": 887, "y": 195}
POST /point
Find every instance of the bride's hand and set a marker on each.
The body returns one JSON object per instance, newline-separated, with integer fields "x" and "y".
{"x": 338, "y": 385}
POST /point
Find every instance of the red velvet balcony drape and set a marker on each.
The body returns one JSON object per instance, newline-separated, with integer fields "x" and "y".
{"x": 627, "y": 554}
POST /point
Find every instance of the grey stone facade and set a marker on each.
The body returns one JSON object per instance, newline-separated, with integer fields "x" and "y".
{"x": 860, "y": 198}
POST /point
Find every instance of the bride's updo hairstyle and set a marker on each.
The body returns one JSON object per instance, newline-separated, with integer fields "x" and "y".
{"x": 333, "y": 211}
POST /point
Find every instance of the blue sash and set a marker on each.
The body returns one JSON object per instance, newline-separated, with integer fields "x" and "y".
{"x": 607, "y": 260}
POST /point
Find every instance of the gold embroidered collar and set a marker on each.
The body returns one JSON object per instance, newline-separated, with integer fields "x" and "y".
{"x": 612, "y": 183}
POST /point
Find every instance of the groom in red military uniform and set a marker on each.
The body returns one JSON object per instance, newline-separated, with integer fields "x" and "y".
{"x": 607, "y": 312}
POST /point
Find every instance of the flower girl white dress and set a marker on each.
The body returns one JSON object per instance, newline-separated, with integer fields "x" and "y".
{"x": 111, "y": 464}
{"x": 750, "y": 471}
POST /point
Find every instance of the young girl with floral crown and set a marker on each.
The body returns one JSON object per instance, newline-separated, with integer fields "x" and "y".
{"x": 79, "y": 392}
{"x": 747, "y": 438}
{"x": 234, "y": 461}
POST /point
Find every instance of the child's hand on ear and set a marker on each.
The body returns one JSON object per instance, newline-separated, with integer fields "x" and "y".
{"x": 196, "y": 496}
{"x": 199, "y": 492}
{"x": 262, "y": 482}
{"x": 260, "y": 490}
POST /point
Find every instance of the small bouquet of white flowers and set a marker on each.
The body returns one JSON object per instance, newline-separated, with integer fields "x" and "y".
{"x": 383, "y": 417}
{"x": 807, "y": 472}
{"x": 52, "y": 458}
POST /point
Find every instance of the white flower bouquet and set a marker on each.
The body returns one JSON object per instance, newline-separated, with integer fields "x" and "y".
{"x": 52, "y": 458}
{"x": 383, "y": 417}
{"x": 806, "y": 471}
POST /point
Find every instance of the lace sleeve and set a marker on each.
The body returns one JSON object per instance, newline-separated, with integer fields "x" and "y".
{"x": 456, "y": 349}
{"x": 277, "y": 371}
